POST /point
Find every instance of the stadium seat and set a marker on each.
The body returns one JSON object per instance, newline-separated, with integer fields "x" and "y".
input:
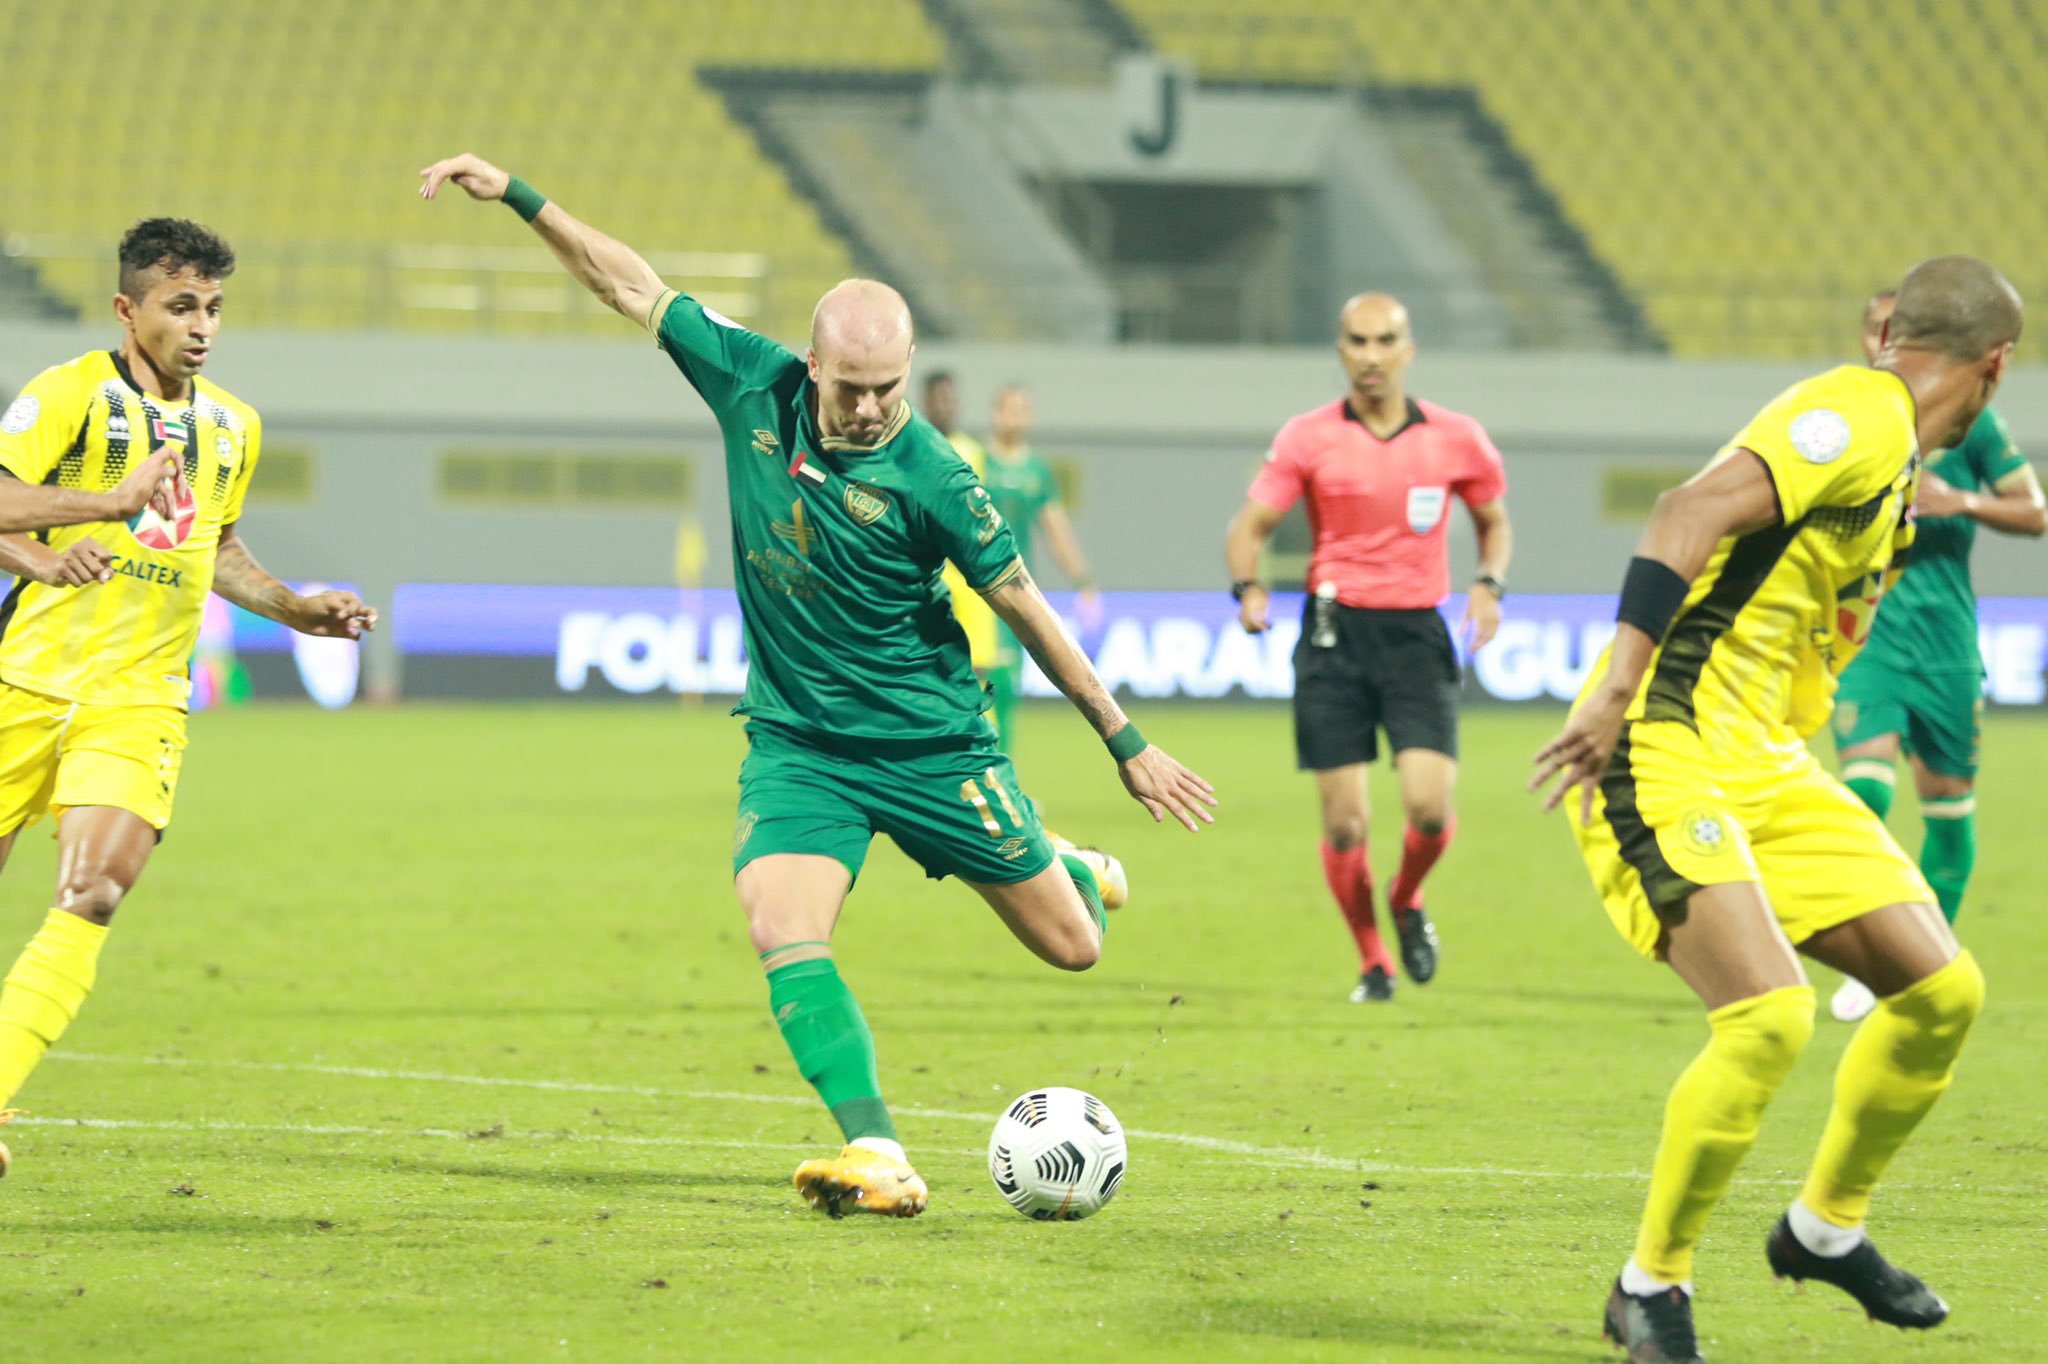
{"x": 300, "y": 143}
{"x": 1844, "y": 144}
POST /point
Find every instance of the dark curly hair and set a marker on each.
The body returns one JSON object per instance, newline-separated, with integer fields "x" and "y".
{"x": 172, "y": 244}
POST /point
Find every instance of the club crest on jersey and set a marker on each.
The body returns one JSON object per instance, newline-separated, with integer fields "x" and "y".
{"x": 866, "y": 505}
{"x": 224, "y": 447}
{"x": 21, "y": 414}
{"x": 155, "y": 531}
{"x": 1425, "y": 509}
{"x": 1704, "y": 833}
{"x": 1820, "y": 435}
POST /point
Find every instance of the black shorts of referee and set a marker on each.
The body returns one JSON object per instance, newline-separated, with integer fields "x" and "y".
{"x": 1385, "y": 670}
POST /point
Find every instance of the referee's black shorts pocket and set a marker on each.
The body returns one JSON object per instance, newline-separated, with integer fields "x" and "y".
{"x": 1336, "y": 708}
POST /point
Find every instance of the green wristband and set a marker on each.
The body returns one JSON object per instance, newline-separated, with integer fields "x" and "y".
{"x": 524, "y": 199}
{"x": 1126, "y": 743}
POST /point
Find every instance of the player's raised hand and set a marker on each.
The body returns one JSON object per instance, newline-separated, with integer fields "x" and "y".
{"x": 1165, "y": 788}
{"x": 149, "y": 484}
{"x": 338, "y": 615}
{"x": 1938, "y": 497}
{"x": 1581, "y": 750}
{"x": 479, "y": 177}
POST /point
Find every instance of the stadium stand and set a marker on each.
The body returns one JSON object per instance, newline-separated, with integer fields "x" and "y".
{"x": 295, "y": 127}
{"x": 1750, "y": 169}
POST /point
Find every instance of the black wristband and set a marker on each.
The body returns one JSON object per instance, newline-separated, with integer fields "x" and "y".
{"x": 1493, "y": 585}
{"x": 1242, "y": 586}
{"x": 1651, "y": 593}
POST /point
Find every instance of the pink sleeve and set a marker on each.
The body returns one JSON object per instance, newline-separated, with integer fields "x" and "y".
{"x": 1284, "y": 477}
{"x": 1486, "y": 477}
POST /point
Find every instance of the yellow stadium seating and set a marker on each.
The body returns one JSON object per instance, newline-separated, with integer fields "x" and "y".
{"x": 295, "y": 128}
{"x": 1751, "y": 169}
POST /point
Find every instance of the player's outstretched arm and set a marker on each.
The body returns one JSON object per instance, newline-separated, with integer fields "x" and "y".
{"x": 81, "y": 562}
{"x": 1153, "y": 778}
{"x": 240, "y": 579}
{"x": 1727, "y": 498}
{"x": 36, "y": 507}
{"x": 610, "y": 269}
{"x": 2014, "y": 506}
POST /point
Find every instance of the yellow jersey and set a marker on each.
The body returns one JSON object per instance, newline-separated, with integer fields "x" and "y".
{"x": 1750, "y": 661}
{"x": 977, "y": 618}
{"x": 128, "y": 641}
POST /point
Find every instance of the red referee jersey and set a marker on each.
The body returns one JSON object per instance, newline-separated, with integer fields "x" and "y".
{"x": 1377, "y": 506}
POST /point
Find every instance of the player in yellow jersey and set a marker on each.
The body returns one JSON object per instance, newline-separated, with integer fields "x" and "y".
{"x": 942, "y": 409}
{"x": 93, "y": 678}
{"x": 1721, "y": 846}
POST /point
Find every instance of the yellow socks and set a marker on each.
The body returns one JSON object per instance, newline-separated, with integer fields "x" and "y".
{"x": 1711, "y": 1121}
{"x": 1896, "y": 1066}
{"x": 43, "y": 993}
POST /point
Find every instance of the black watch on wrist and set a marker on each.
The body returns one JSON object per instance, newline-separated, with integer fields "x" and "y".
{"x": 1493, "y": 585}
{"x": 1242, "y": 586}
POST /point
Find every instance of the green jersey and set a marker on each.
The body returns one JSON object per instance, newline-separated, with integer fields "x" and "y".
{"x": 1928, "y": 621}
{"x": 1021, "y": 489}
{"x": 837, "y": 547}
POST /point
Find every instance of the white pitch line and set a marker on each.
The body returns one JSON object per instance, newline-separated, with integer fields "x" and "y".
{"x": 1280, "y": 1155}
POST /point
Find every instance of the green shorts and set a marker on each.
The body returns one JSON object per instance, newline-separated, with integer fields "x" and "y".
{"x": 1937, "y": 716}
{"x": 956, "y": 810}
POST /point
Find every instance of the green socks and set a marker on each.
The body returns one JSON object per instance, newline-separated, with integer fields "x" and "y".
{"x": 1871, "y": 779}
{"x": 1950, "y": 849}
{"x": 831, "y": 1043}
{"x": 1091, "y": 889}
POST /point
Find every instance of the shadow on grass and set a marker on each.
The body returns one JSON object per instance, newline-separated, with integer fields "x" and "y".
{"x": 1453, "y": 1339}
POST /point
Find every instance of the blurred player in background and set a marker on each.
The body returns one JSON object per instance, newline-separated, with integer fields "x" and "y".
{"x": 863, "y": 715}
{"x": 1027, "y": 494}
{"x": 92, "y": 709}
{"x": 1379, "y": 469}
{"x": 942, "y": 410}
{"x": 1918, "y": 685}
{"x": 1720, "y": 845}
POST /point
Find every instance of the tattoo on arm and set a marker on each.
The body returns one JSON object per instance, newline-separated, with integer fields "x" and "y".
{"x": 1024, "y": 609}
{"x": 240, "y": 579}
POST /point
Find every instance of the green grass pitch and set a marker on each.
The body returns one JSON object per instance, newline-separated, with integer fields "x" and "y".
{"x": 433, "y": 1033}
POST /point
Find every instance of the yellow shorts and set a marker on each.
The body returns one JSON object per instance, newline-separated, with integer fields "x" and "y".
{"x": 1669, "y": 819}
{"x": 56, "y": 755}
{"x": 976, "y": 617}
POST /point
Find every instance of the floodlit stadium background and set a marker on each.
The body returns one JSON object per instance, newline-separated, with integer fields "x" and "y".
{"x": 1620, "y": 225}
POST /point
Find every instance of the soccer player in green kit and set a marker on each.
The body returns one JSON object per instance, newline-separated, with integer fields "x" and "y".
{"x": 1918, "y": 685}
{"x": 863, "y": 714}
{"x": 1027, "y": 494}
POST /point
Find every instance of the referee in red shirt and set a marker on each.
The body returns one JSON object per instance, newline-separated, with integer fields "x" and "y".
{"x": 1379, "y": 469}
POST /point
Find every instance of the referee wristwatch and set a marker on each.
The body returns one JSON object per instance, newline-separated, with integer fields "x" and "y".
{"x": 1493, "y": 585}
{"x": 1242, "y": 586}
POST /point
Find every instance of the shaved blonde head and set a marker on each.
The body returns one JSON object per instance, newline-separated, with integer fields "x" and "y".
{"x": 861, "y": 317}
{"x": 861, "y": 340}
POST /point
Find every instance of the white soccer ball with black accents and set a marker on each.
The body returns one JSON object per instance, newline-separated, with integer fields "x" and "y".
{"x": 1057, "y": 1154}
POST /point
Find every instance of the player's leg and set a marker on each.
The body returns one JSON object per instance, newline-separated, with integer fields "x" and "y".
{"x": 1868, "y": 721}
{"x": 1945, "y": 741}
{"x": 1336, "y": 734}
{"x": 101, "y": 853}
{"x": 1828, "y": 860}
{"x": 799, "y": 843}
{"x": 1347, "y": 871}
{"x": 1419, "y": 676}
{"x": 1677, "y": 877}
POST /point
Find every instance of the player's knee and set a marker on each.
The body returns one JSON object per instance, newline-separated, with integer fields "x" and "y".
{"x": 1076, "y": 949}
{"x": 1344, "y": 830}
{"x": 1430, "y": 820}
{"x": 1766, "y": 1034}
{"x": 1945, "y": 1004}
{"x": 91, "y": 895}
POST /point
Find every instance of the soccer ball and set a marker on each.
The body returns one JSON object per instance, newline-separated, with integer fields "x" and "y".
{"x": 1057, "y": 1155}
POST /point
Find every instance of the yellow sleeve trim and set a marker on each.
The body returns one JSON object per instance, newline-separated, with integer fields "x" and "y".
{"x": 1004, "y": 578}
{"x": 660, "y": 310}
